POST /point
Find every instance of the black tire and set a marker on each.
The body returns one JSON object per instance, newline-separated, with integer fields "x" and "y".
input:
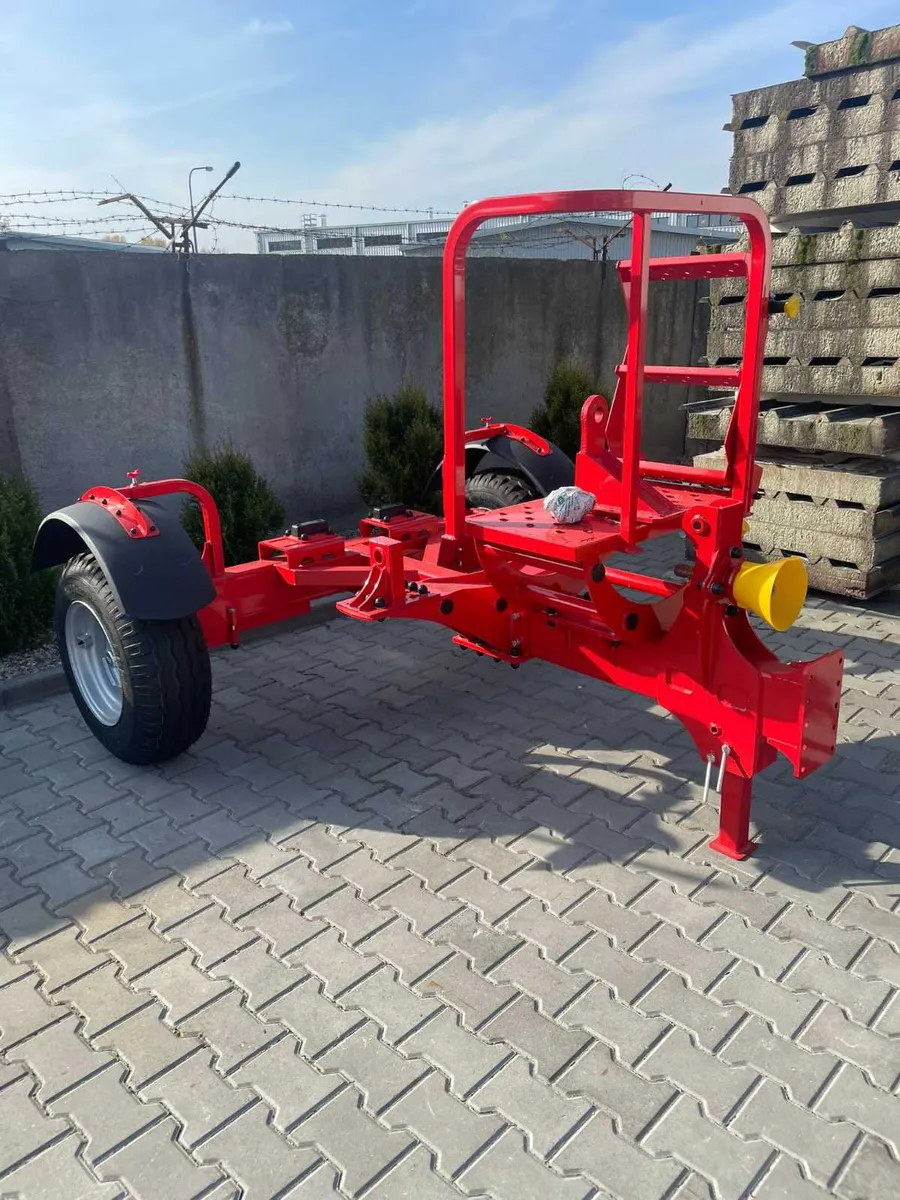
{"x": 163, "y": 670}
{"x": 497, "y": 489}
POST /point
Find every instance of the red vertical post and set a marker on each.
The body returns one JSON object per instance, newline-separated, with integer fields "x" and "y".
{"x": 454, "y": 299}
{"x": 756, "y": 326}
{"x": 635, "y": 358}
{"x": 733, "y": 839}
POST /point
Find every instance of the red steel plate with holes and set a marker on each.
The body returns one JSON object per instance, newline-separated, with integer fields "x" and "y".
{"x": 530, "y": 528}
{"x": 695, "y": 266}
{"x": 724, "y": 377}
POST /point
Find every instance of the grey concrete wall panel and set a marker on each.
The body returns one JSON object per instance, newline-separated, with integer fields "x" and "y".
{"x": 111, "y": 362}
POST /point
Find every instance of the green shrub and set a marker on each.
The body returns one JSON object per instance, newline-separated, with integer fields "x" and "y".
{"x": 403, "y": 442}
{"x": 557, "y": 418}
{"x": 248, "y": 508}
{"x": 26, "y": 600}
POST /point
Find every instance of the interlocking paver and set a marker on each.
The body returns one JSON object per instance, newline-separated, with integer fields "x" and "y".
{"x": 100, "y": 999}
{"x": 58, "y": 1171}
{"x": 801, "y": 1071}
{"x": 333, "y": 961}
{"x": 876, "y": 1054}
{"x": 786, "y": 1181}
{"x": 287, "y": 1082}
{"x": 455, "y": 982}
{"x": 860, "y": 998}
{"x": 378, "y": 1072}
{"x": 703, "y": 1075}
{"x": 155, "y": 1165}
{"x": 483, "y": 944}
{"x": 24, "y": 1011}
{"x": 449, "y": 1127}
{"x": 62, "y": 957}
{"x": 873, "y": 1171}
{"x": 633, "y": 1101}
{"x": 820, "y": 1145}
{"x": 548, "y": 1044}
{"x": 620, "y": 1168}
{"x": 629, "y": 1032}
{"x": 525, "y": 1100}
{"x": 106, "y": 1112}
{"x": 553, "y": 987}
{"x": 393, "y": 923}
{"x": 852, "y": 1098}
{"x": 687, "y": 1135}
{"x": 135, "y": 946}
{"x": 507, "y": 1171}
{"x": 59, "y": 1057}
{"x": 167, "y": 903}
{"x": 231, "y": 1030}
{"x": 784, "y": 1009}
{"x": 145, "y": 1045}
{"x": 179, "y": 986}
{"x": 359, "y": 1146}
{"x": 26, "y": 1128}
{"x": 412, "y": 1177}
{"x": 461, "y": 1056}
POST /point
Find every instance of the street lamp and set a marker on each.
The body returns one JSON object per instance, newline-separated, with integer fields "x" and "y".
{"x": 191, "y": 195}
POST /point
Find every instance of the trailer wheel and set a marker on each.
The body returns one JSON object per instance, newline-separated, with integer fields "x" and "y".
{"x": 497, "y": 489}
{"x": 143, "y": 687}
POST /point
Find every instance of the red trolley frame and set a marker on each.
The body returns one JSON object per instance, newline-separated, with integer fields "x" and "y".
{"x": 514, "y": 585}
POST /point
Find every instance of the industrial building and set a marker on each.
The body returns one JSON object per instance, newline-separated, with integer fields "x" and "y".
{"x": 597, "y": 236}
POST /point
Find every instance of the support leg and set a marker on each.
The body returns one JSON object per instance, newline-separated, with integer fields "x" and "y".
{"x": 734, "y": 818}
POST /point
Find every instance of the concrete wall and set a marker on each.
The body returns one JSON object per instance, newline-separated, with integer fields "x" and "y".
{"x": 111, "y": 362}
{"x": 815, "y": 145}
{"x": 846, "y": 339}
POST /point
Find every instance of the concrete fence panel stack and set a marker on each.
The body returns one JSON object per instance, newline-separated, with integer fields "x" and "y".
{"x": 822, "y": 156}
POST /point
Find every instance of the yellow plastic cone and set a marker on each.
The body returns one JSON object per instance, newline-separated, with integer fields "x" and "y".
{"x": 775, "y": 591}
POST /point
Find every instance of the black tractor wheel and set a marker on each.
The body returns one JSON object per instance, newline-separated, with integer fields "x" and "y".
{"x": 498, "y": 489}
{"x": 143, "y": 687}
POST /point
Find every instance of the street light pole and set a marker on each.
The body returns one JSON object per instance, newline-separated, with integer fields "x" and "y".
{"x": 191, "y": 196}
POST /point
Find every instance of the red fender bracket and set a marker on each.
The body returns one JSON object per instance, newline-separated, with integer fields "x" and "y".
{"x": 129, "y": 516}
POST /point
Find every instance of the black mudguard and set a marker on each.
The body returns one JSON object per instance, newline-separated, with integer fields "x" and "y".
{"x": 157, "y": 578}
{"x": 501, "y": 453}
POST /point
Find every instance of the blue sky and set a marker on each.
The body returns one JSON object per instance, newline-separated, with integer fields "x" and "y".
{"x": 405, "y": 102}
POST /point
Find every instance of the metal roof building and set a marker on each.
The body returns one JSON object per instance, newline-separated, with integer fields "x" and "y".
{"x": 595, "y": 236}
{"x": 11, "y": 240}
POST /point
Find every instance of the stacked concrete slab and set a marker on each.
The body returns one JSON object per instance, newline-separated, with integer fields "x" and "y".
{"x": 822, "y": 156}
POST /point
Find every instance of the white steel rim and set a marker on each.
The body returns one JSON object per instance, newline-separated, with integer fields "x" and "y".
{"x": 93, "y": 663}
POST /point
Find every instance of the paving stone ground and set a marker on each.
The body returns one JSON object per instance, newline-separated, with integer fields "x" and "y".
{"x": 406, "y": 923}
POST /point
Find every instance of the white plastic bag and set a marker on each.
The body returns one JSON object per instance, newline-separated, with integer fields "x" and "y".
{"x": 569, "y": 505}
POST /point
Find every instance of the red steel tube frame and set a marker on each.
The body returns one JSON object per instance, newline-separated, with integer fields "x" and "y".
{"x": 692, "y": 651}
{"x": 738, "y": 476}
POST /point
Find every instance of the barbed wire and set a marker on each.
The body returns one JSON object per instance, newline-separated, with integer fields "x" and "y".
{"x": 431, "y": 212}
{"x": 67, "y": 195}
{"x": 109, "y": 219}
{"x": 51, "y": 197}
{"x": 75, "y": 231}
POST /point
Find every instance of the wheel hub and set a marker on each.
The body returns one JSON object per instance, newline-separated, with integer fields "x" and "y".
{"x": 93, "y": 663}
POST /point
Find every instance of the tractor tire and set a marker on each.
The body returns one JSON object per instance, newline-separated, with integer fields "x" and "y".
{"x": 497, "y": 489}
{"x": 143, "y": 687}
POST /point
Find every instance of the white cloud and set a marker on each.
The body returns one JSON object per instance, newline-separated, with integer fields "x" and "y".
{"x": 653, "y": 103}
{"x": 258, "y": 28}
